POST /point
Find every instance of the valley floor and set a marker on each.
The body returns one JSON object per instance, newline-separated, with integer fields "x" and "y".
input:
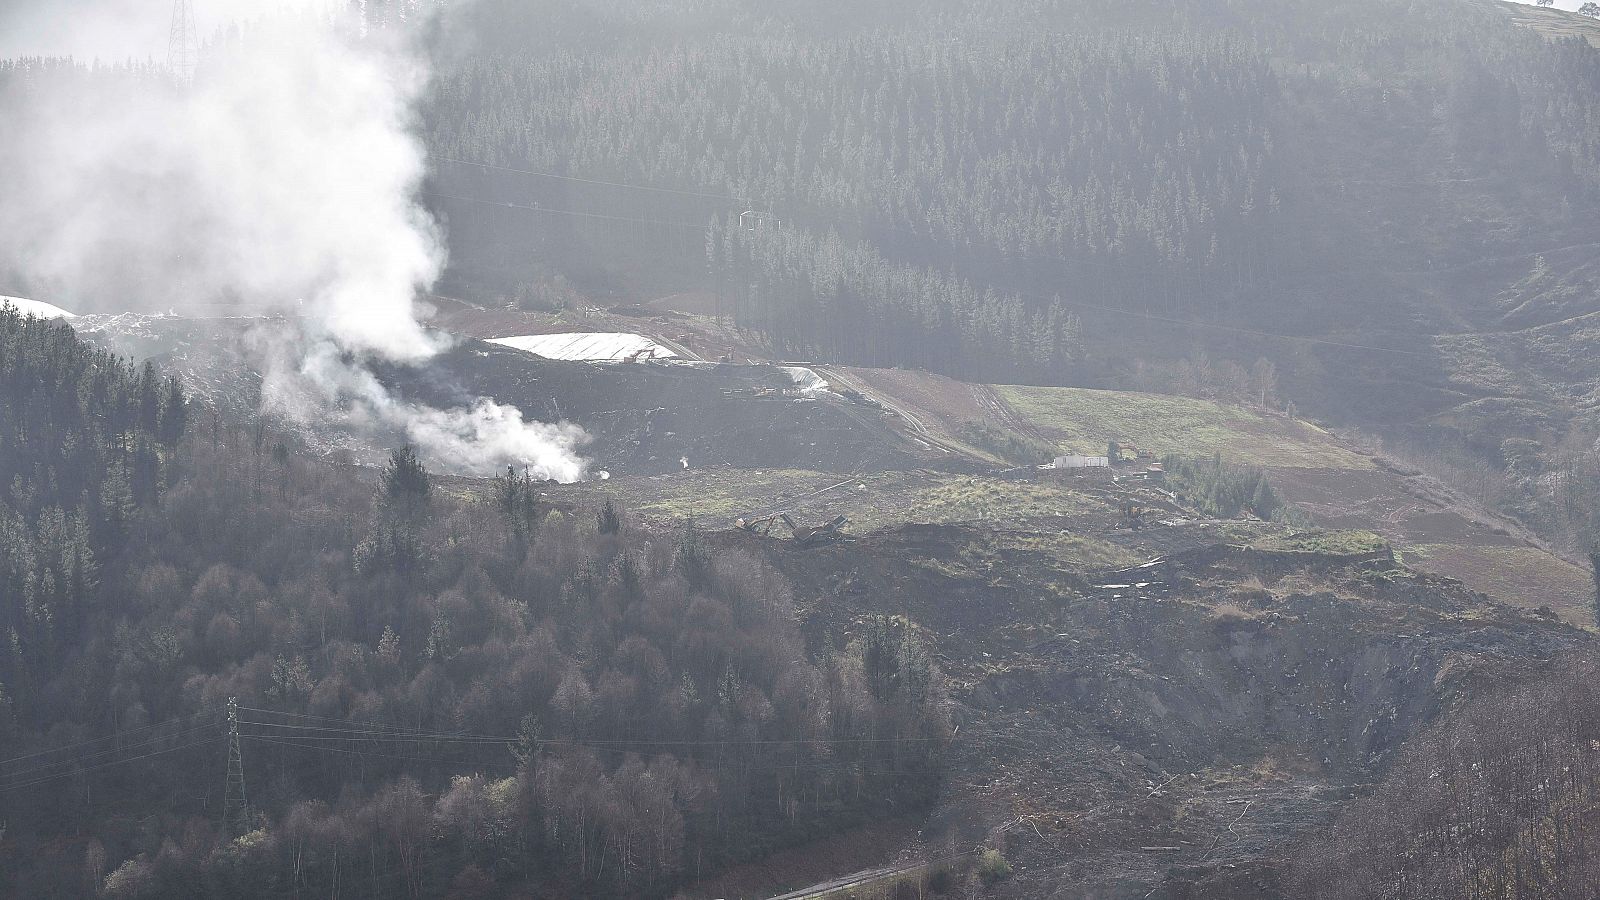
{"x": 1145, "y": 706}
{"x": 1175, "y": 731}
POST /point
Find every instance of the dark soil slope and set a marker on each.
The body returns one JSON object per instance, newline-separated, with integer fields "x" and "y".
{"x": 1168, "y": 729}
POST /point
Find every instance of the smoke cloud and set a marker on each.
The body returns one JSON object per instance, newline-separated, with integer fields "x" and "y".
{"x": 282, "y": 180}
{"x": 117, "y": 30}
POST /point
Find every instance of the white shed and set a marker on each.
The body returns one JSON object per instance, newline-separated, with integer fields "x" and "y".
{"x": 1082, "y": 462}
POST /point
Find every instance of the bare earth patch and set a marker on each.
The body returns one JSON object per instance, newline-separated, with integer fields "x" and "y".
{"x": 1517, "y": 576}
{"x": 857, "y": 848}
{"x": 1405, "y": 510}
{"x": 949, "y": 401}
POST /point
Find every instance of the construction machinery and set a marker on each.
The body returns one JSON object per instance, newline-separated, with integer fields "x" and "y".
{"x": 1133, "y": 516}
{"x": 761, "y": 525}
{"x": 813, "y": 535}
{"x": 1124, "y": 452}
{"x": 804, "y": 535}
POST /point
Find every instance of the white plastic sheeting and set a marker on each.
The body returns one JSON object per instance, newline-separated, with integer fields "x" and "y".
{"x": 587, "y": 346}
{"x": 36, "y": 308}
{"x": 805, "y": 380}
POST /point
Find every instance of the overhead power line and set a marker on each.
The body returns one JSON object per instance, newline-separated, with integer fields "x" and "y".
{"x": 116, "y": 762}
{"x": 376, "y": 734}
{"x": 594, "y": 181}
{"x": 367, "y": 753}
{"x": 148, "y": 741}
{"x": 564, "y": 212}
{"x": 325, "y": 737}
{"x": 374, "y": 754}
{"x": 383, "y": 732}
{"x": 183, "y": 52}
{"x": 120, "y": 734}
{"x": 235, "y": 811}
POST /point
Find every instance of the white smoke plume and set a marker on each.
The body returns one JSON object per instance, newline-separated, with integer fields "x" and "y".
{"x": 283, "y": 179}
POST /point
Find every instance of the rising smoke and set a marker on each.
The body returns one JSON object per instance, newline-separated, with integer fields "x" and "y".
{"x": 282, "y": 180}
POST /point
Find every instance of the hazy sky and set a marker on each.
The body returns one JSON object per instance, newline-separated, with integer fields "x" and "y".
{"x": 139, "y": 28}
{"x": 119, "y": 29}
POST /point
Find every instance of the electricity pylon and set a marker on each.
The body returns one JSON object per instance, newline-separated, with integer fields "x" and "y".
{"x": 233, "y": 806}
{"x": 183, "y": 49}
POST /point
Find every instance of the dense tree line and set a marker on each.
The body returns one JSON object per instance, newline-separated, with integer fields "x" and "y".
{"x": 1130, "y": 170}
{"x": 1198, "y": 375}
{"x": 820, "y": 297}
{"x": 463, "y": 690}
{"x": 1014, "y": 448}
{"x": 1495, "y": 801}
{"x": 1245, "y": 161}
{"x": 1242, "y": 161}
{"x": 87, "y": 441}
{"x": 1222, "y": 489}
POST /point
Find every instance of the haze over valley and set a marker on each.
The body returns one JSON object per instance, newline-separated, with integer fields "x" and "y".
{"x": 737, "y": 449}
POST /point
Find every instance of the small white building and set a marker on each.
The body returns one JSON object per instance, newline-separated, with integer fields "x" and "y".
{"x": 1082, "y": 462}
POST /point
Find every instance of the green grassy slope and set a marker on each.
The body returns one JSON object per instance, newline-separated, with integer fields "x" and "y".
{"x": 1084, "y": 421}
{"x": 1556, "y": 23}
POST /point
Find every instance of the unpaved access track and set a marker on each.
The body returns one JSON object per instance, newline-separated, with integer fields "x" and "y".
{"x": 915, "y": 424}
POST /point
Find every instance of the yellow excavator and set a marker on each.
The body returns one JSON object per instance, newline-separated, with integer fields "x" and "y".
{"x": 1125, "y": 452}
{"x": 1133, "y": 516}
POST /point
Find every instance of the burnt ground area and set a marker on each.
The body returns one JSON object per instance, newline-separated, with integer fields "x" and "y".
{"x": 645, "y": 418}
{"x": 1170, "y": 729}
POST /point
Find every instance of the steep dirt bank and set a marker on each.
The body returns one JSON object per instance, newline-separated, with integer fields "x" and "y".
{"x": 1169, "y": 734}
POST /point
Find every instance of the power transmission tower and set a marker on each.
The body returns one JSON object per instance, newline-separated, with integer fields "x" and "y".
{"x": 183, "y": 49}
{"x": 233, "y": 806}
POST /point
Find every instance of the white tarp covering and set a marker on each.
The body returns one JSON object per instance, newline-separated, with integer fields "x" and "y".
{"x": 36, "y": 308}
{"x": 805, "y": 380}
{"x": 588, "y": 346}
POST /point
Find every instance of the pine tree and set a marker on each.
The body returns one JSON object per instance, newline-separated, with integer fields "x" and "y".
{"x": 406, "y": 482}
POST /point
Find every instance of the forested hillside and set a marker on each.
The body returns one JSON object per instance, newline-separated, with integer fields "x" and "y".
{"x": 1496, "y": 801}
{"x": 1030, "y": 191}
{"x": 1227, "y": 164}
{"x": 232, "y": 663}
{"x": 87, "y": 443}
{"x": 907, "y": 196}
{"x": 440, "y": 688}
{"x": 1394, "y": 204}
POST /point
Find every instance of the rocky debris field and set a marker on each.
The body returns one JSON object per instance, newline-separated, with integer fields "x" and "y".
{"x": 1172, "y": 740}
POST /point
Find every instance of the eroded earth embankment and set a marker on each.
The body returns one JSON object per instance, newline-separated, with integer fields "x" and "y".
{"x": 1169, "y": 728}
